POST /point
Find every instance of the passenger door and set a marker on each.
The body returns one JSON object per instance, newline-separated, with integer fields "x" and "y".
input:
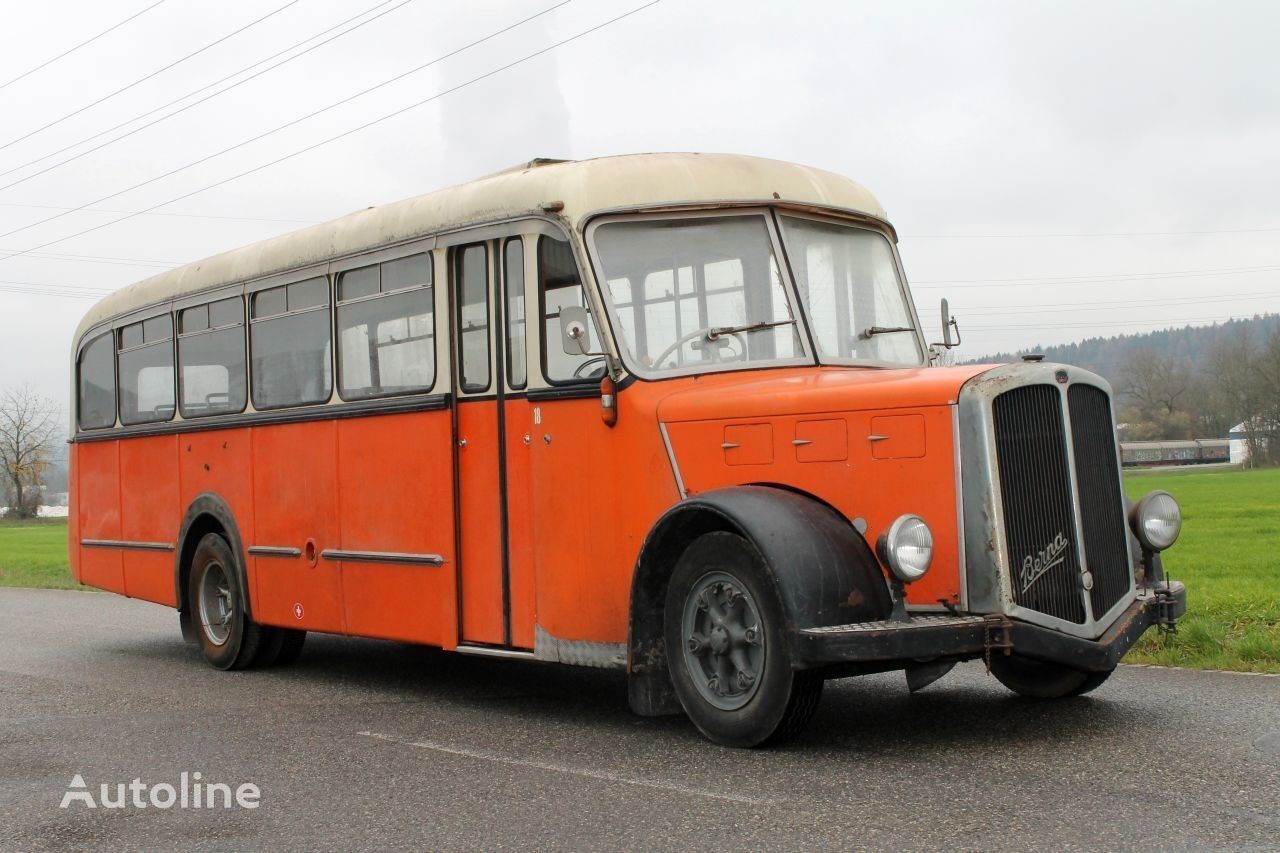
{"x": 492, "y": 444}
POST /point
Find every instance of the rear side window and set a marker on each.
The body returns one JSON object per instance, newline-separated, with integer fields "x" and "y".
{"x": 211, "y": 359}
{"x": 97, "y": 381}
{"x": 289, "y": 342}
{"x": 146, "y": 371}
{"x": 386, "y": 329}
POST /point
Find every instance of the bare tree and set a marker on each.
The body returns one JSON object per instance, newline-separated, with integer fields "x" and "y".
{"x": 29, "y": 429}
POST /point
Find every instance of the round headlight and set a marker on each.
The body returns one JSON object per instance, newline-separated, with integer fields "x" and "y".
{"x": 907, "y": 548}
{"x": 1156, "y": 520}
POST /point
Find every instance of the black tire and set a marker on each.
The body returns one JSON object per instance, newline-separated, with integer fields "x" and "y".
{"x": 1037, "y": 679}
{"x": 1092, "y": 682}
{"x": 227, "y": 636}
{"x": 290, "y": 645}
{"x": 268, "y": 647}
{"x": 780, "y": 701}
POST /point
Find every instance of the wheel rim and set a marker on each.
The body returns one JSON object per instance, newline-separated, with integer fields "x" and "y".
{"x": 217, "y": 610}
{"x": 724, "y": 642}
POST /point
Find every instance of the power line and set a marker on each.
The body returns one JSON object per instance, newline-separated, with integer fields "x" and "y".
{"x": 178, "y": 215}
{"x": 148, "y": 76}
{"x": 1122, "y": 303}
{"x": 97, "y": 259}
{"x": 288, "y": 124}
{"x": 195, "y": 92}
{"x": 72, "y": 50}
{"x": 364, "y": 126}
{"x": 1109, "y": 324}
{"x": 1089, "y": 234}
{"x": 1098, "y": 278}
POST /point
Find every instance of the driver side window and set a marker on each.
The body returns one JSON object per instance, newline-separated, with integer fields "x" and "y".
{"x": 559, "y": 287}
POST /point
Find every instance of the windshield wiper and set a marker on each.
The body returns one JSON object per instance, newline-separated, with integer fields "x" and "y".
{"x": 716, "y": 332}
{"x": 868, "y": 334}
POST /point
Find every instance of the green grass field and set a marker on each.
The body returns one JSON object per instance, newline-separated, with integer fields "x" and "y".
{"x": 34, "y": 553}
{"x": 1228, "y": 556}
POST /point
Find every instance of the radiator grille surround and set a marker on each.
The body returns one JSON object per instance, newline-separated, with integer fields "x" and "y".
{"x": 1043, "y": 514}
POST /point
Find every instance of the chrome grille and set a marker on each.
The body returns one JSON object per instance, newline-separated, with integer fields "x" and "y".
{"x": 1037, "y": 500}
{"x": 1106, "y": 547}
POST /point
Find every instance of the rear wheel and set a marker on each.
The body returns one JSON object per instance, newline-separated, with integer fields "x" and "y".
{"x": 228, "y": 638}
{"x": 1039, "y": 679}
{"x": 726, "y": 651}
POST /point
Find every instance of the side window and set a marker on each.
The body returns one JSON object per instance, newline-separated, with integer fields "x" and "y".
{"x": 471, "y": 276}
{"x": 513, "y": 288}
{"x": 386, "y": 329}
{"x": 560, "y": 287}
{"x": 211, "y": 360}
{"x": 289, "y": 342}
{"x": 146, "y": 371}
{"x": 97, "y": 403}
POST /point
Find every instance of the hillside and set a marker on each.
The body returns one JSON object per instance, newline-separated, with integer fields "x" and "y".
{"x": 1108, "y": 356}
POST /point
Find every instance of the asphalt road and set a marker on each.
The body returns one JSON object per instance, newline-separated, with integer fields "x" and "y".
{"x": 365, "y": 744}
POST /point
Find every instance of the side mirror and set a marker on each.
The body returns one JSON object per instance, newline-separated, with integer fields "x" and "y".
{"x": 575, "y": 336}
{"x": 949, "y": 325}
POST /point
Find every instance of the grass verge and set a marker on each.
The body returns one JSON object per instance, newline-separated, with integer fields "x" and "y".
{"x": 33, "y": 553}
{"x": 1229, "y": 558}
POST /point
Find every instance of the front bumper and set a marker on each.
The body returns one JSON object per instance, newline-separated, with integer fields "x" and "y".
{"x": 922, "y": 638}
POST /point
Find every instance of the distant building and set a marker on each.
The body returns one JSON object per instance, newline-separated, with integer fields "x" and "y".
{"x": 1240, "y": 444}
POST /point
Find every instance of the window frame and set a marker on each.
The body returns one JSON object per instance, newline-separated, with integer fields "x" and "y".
{"x": 336, "y": 276}
{"x": 506, "y": 310}
{"x": 545, "y": 339}
{"x": 298, "y": 276}
{"x": 456, "y": 254}
{"x": 922, "y": 345}
{"x": 117, "y": 331}
{"x": 87, "y": 341}
{"x": 209, "y": 329}
{"x": 807, "y": 357}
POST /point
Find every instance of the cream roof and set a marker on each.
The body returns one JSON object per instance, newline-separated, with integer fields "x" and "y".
{"x": 584, "y": 186}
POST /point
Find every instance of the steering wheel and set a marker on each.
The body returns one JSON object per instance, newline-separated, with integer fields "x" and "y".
{"x": 741, "y": 355}
{"x": 596, "y": 373}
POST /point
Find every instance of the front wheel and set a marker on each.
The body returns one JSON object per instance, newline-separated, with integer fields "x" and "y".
{"x": 726, "y": 651}
{"x": 1039, "y": 679}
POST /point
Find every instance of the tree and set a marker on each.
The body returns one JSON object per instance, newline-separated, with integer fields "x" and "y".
{"x": 1159, "y": 390}
{"x": 29, "y": 429}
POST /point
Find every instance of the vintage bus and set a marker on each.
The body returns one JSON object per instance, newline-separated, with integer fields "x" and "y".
{"x": 668, "y": 413}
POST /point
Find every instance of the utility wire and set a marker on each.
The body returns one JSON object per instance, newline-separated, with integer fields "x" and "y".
{"x": 97, "y": 259}
{"x": 359, "y": 128}
{"x": 1110, "y": 324}
{"x": 149, "y": 76}
{"x": 938, "y": 284}
{"x": 1121, "y": 303}
{"x": 1088, "y": 234}
{"x": 195, "y": 92}
{"x": 177, "y": 215}
{"x": 72, "y": 50}
{"x": 288, "y": 124}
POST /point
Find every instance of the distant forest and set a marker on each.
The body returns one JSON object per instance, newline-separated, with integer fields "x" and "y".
{"x": 1188, "y": 383}
{"x": 1192, "y": 346}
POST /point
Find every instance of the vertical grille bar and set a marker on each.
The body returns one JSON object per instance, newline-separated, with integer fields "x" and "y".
{"x": 1106, "y": 546}
{"x": 1036, "y": 496}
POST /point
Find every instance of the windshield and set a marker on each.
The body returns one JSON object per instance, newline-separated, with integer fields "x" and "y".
{"x": 696, "y": 292}
{"x": 848, "y": 281}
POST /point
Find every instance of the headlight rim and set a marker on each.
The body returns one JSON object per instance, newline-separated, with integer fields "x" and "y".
{"x": 887, "y": 553}
{"x": 1137, "y": 514}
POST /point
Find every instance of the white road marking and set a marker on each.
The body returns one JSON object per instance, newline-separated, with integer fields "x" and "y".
{"x": 1196, "y": 669}
{"x": 604, "y": 775}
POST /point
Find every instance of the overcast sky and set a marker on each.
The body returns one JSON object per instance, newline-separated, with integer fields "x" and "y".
{"x": 1043, "y": 163}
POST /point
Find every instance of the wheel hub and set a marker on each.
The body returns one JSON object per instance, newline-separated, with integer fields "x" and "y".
{"x": 724, "y": 642}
